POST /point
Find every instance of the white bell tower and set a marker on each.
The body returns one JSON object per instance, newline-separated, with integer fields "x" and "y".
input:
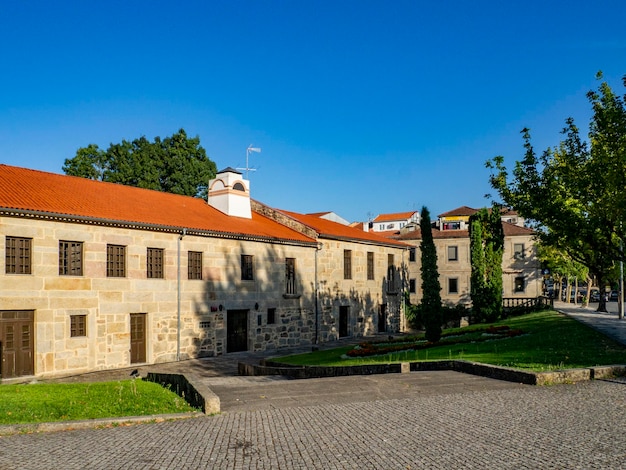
{"x": 230, "y": 193}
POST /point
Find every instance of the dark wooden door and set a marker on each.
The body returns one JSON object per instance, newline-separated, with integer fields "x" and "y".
{"x": 16, "y": 343}
{"x": 137, "y": 338}
{"x": 344, "y": 315}
{"x": 236, "y": 330}
{"x": 382, "y": 318}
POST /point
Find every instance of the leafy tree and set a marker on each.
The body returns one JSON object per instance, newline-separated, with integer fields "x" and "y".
{"x": 486, "y": 247}
{"x": 431, "y": 300}
{"x": 574, "y": 193}
{"x": 176, "y": 164}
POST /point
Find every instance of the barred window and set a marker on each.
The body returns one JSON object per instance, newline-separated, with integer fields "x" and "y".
{"x": 194, "y": 265}
{"x": 370, "y": 265}
{"x": 116, "y": 261}
{"x": 78, "y": 325}
{"x": 70, "y": 258}
{"x": 154, "y": 262}
{"x": 18, "y": 255}
{"x": 290, "y": 275}
{"x": 247, "y": 268}
{"x": 347, "y": 264}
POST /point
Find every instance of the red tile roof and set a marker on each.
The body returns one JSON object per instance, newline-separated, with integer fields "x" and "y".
{"x": 510, "y": 230}
{"x": 330, "y": 229}
{"x": 38, "y": 191}
{"x": 459, "y": 211}
{"x": 395, "y": 216}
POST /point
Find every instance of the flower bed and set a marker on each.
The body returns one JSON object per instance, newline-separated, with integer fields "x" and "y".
{"x": 369, "y": 348}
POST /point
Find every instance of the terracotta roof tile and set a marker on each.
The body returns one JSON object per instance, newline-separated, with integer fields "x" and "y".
{"x": 328, "y": 228}
{"x": 395, "y": 216}
{"x": 34, "y": 190}
{"x": 459, "y": 211}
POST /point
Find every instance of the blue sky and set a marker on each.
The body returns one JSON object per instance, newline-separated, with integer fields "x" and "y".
{"x": 360, "y": 107}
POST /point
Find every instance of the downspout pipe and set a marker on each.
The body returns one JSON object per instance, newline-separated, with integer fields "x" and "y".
{"x": 316, "y": 293}
{"x": 180, "y": 237}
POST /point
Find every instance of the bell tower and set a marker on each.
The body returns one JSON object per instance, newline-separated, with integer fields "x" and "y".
{"x": 230, "y": 193}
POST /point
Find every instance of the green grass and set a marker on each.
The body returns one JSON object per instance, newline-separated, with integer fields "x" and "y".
{"x": 37, "y": 403}
{"x": 551, "y": 341}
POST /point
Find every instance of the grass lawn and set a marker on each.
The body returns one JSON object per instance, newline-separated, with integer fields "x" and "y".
{"x": 550, "y": 341}
{"x": 38, "y": 403}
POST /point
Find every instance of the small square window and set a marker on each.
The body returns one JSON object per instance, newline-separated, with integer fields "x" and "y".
{"x": 520, "y": 284}
{"x": 453, "y": 285}
{"x": 453, "y": 253}
{"x": 78, "y": 325}
{"x": 518, "y": 251}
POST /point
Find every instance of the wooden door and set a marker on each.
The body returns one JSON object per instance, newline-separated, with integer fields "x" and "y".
{"x": 344, "y": 315}
{"x": 16, "y": 343}
{"x": 382, "y": 318}
{"x": 236, "y": 330}
{"x": 137, "y": 338}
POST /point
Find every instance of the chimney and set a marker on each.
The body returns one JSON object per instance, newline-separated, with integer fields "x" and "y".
{"x": 230, "y": 193}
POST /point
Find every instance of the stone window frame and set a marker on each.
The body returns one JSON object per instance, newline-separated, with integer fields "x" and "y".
{"x": 453, "y": 285}
{"x": 347, "y": 264}
{"x": 247, "y": 267}
{"x": 194, "y": 265}
{"x": 370, "y": 266}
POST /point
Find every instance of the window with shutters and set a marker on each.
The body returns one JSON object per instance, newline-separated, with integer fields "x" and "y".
{"x": 78, "y": 325}
{"x": 194, "y": 265}
{"x": 70, "y": 258}
{"x": 18, "y": 255}
{"x": 247, "y": 268}
{"x": 116, "y": 261}
{"x": 154, "y": 261}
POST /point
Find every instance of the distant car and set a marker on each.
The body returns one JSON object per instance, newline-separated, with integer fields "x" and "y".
{"x": 613, "y": 296}
{"x": 594, "y": 296}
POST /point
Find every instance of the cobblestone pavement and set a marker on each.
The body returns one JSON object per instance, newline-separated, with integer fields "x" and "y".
{"x": 566, "y": 427}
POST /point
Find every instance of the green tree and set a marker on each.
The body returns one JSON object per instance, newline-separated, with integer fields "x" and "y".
{"x": 486, "y": 248}
{"x": 176, "y": 164}
{"x": 431, "y": 299}
{"x": 574, "y": 193}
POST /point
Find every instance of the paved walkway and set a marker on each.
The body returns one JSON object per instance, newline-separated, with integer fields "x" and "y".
{"x": 434, "y": 420}
{"x": 607, "y": 323}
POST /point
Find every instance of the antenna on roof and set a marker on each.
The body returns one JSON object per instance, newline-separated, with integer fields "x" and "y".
{"x": 248, "y": 150}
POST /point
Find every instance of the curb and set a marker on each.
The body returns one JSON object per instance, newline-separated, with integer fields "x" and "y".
{"x": 31, "y": 428}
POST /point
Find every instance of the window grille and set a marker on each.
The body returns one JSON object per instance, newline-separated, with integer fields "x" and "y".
{"x": 70, "y": 258}
{"x": 247, "y": 268}
{"x": 347, "y": 264}
{"x": 194, "y": 265}
{"x": 290, "y": 275}
{"x": 370, "y": 265}
{"x": 78, "y": 325}
{"x": 18, "y": 255}
{"x": 154, "y": 262}
{"x": 116, "y": 261}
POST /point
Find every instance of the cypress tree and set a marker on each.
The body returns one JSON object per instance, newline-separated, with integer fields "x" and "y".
{"x": 431, "y": 300}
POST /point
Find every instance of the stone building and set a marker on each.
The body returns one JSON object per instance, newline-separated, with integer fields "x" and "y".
{"x": 520, "y": 267}
{"x": 99, "y": 276}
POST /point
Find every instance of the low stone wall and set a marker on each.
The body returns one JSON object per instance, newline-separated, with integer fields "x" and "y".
{"x": 467, "y": 367}
{"x": 190, "y": 388}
